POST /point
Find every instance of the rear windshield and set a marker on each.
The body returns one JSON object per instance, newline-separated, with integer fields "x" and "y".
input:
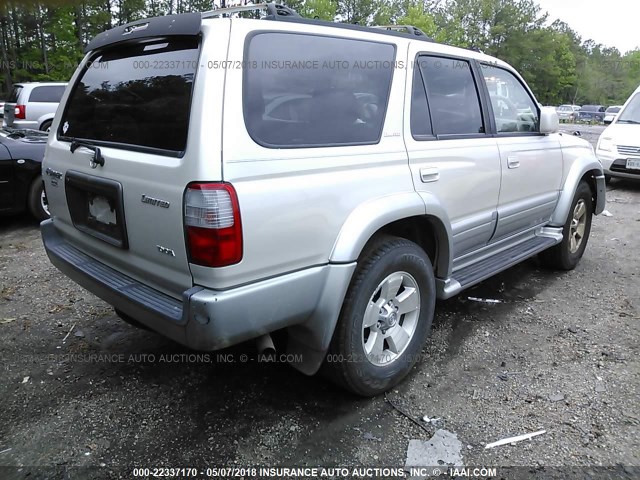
{"x": 48, "y": 94}
{"x": 15, "y": 93}
{"x": 136, "y": 97}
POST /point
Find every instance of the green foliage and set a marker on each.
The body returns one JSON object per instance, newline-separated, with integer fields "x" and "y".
{"x": 417, "y": 17}
{"x": 44, "y": 39}
{"x": 320, "y": 9}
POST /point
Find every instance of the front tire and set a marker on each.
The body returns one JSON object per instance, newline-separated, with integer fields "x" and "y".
{"x": 385, "y": 319}
{"x": 38, "y": 204}
{"x": 567, "y": 254}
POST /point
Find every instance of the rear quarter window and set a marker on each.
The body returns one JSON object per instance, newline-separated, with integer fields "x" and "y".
{"x": 48, "y": 94}
{"x": 314, "y": 91}
{"x": 135, "y": 97}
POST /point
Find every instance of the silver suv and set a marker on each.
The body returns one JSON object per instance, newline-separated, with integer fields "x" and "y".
{"x": 216, "y": 179}
{"x": 33, "y": 105}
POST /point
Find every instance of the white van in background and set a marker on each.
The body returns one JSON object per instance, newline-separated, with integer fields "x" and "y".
{"x": 618, "y": 147}
{"x": 33, "y": 105}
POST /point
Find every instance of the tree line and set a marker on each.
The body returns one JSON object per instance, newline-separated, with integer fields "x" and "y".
{"x": 43, "y": 40}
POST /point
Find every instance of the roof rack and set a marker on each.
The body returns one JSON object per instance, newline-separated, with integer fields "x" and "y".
{"x": 410, "y": 29}
{"x": 273, "y": 10}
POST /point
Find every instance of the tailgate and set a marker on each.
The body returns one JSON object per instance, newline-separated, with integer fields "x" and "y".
{"x": 9, "y": 113}
{"x": 123, "y": 153}
{"x": 10, "y": 105}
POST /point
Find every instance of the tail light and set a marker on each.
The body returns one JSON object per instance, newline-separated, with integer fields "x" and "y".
{"x": 212, "y": 223}
{"x": 21, "y": 112}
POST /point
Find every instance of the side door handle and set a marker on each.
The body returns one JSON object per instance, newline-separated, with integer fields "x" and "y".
{"x": 513, "y": 162}
{"x": 429, "y": 174}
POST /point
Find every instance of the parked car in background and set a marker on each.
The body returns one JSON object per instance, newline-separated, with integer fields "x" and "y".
{"x": 21, "y": 186}
{"x": 618, "y": 147}
{"x": 591, "y": 113}
{"x": 33, "y": 105}
{"x": 568, "y": 113}
{"x": 610, "y": 113}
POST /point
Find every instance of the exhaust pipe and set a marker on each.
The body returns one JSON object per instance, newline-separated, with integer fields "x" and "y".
{"x": 265, "y": 345}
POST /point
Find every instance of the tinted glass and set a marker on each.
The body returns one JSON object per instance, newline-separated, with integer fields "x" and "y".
{"x": 453, "y": 96}
{"x": 513, "y": 108}
{"x": 306, "y": 91}
{"x": 15, "y": 93}
{"x": 420, "y": 120}
{"x": 51, "y": 94}
{"x": 613, "y": 109}
{"x": 138, "y": 95}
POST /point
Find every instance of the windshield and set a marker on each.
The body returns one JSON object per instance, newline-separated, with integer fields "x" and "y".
{"x": 613, "y": 109}
{"x": 631, "y": 113}
{"x": 136, "y": 97}
{"x": 564, "y": 108}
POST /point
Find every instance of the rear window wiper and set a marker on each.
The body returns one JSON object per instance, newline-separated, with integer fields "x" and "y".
{"x": 98, "y": 159}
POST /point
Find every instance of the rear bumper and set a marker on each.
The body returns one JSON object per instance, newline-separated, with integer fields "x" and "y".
{"x": 22, "y": 124}
{"x": 203, "y": 319}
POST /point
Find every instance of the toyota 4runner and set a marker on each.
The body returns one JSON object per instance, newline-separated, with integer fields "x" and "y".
{"x": 216, "y": 179}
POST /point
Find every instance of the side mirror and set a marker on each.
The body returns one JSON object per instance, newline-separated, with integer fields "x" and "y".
{"x": 549, "y": 122}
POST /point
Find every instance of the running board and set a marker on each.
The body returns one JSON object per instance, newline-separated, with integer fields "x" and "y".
{"x": 496, "y": 263}
{"x": 479, "y": 271}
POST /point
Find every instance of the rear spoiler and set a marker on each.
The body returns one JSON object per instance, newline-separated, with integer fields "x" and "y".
{"x": 186, "y": 24}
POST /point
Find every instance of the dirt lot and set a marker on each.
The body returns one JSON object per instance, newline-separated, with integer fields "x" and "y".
{"x": 559, "y": 353}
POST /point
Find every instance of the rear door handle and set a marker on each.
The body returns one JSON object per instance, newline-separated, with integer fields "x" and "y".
{"x": 429, "y": 174}
{"x": 513, "y": 162}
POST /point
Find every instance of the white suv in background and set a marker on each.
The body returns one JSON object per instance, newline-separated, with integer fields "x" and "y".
{"x": 618, "y": 148}
{"x": 33, "y": 105}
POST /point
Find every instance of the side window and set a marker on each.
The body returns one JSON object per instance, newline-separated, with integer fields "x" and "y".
{"x": 513, "y": 108}
{"x": 453, "y": 96}
{"x": 420, "y": 119}
{"x": 311, "y": 91}
{"x": 50, "y": 94}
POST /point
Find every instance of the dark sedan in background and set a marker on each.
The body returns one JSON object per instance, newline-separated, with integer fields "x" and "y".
{"x": 21, "y": 186}
{"x": 591, "y": 113}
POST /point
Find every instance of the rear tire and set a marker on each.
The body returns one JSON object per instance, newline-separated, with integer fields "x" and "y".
{"x": 130, "y": 320}
{"x": 385, "y": 318}
{"x": 37, "y": 202}
{"x": 46, "y": 126}
{"x": 567, "y": 254}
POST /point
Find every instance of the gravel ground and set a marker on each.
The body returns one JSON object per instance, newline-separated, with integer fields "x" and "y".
{"x": 560, "y": 353}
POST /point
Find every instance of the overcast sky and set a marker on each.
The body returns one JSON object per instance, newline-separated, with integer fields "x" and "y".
{"x": 614, "y": 23}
